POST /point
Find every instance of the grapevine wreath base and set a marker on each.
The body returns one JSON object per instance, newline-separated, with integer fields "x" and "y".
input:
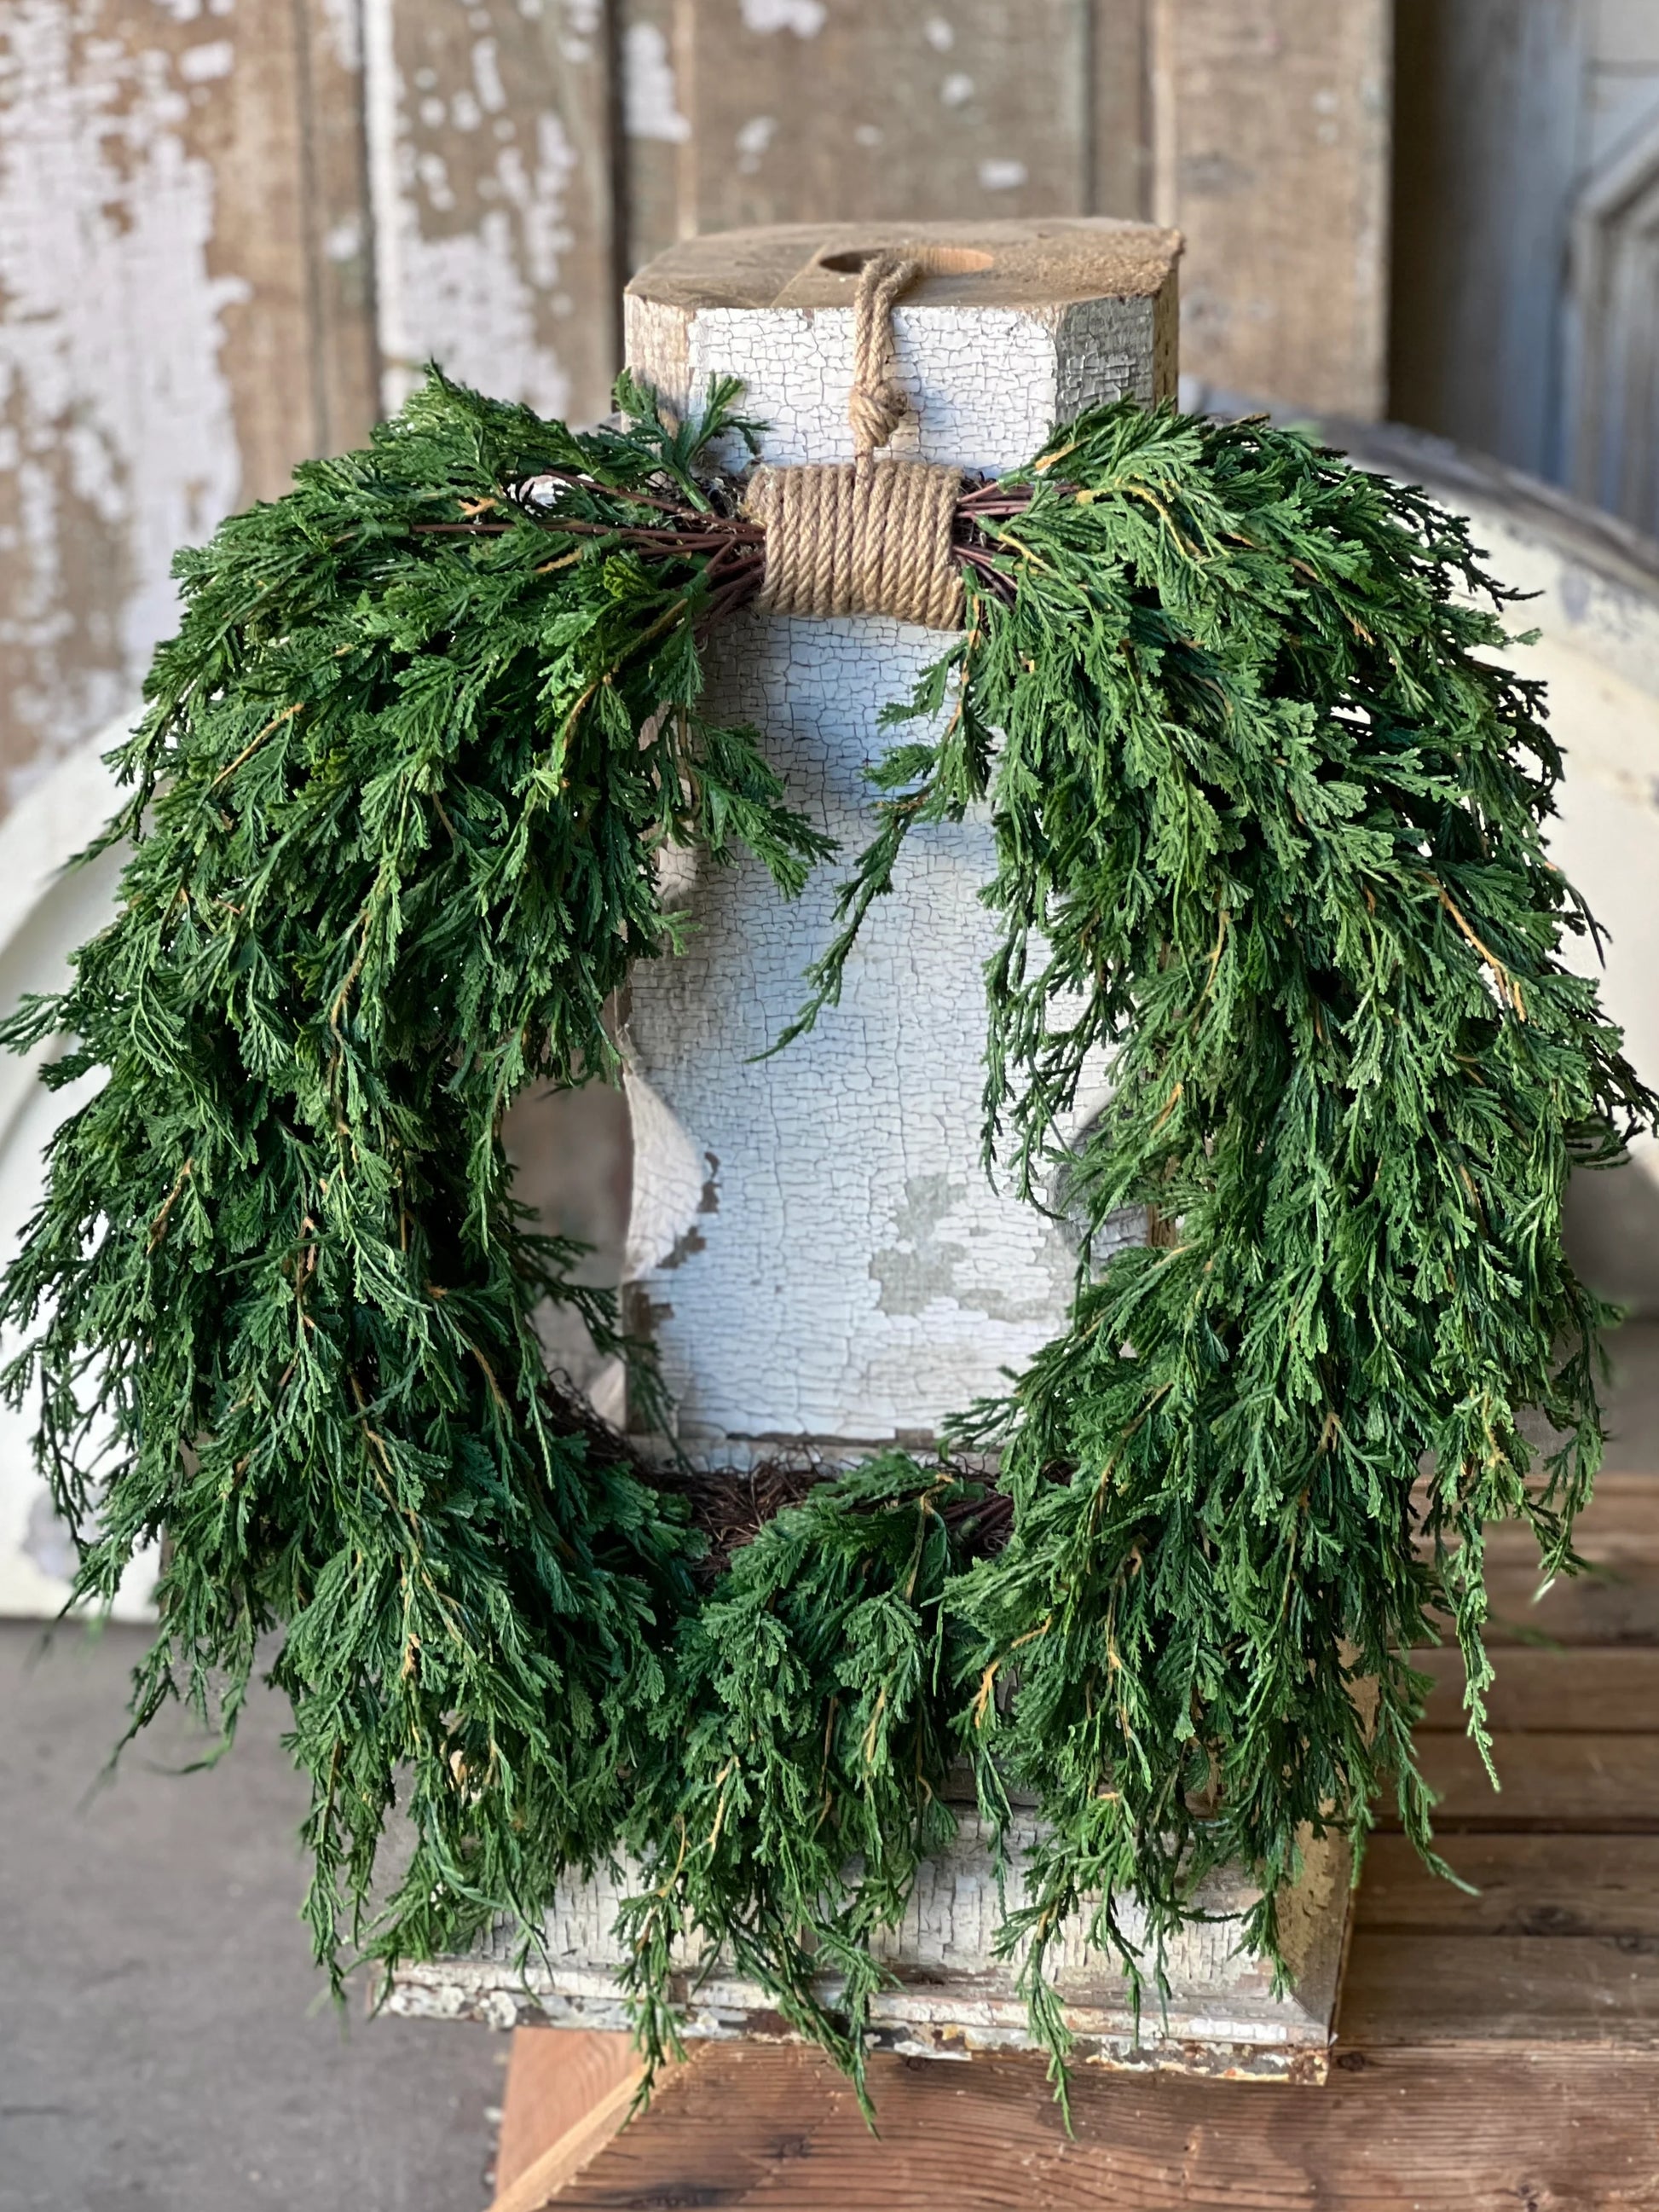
{"x": 1268, "y": 821}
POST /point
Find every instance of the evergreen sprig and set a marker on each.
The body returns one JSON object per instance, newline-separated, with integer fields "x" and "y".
{"x": 396, "y": 799}
{"x": 806, "y": 1741}
{"x": 1268, "y": 821}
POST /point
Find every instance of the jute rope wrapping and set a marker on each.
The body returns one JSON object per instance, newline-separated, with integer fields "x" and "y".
{"x": 864, "y": 536}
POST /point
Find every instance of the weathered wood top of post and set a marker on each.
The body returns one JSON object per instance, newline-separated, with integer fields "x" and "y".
{"x": 1044, "y": 264}
{"x": 1051, "y": 315}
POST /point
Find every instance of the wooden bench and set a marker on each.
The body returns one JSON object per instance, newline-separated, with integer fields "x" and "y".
{"x": 1497, "y": 2052}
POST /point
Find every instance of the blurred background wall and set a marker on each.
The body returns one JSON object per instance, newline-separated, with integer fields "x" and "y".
{"x": 231, "y": 230}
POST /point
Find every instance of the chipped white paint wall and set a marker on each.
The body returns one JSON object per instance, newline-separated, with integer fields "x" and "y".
{"x": 650, "y": 100}
{"x": 474, "y": 297}
{"x": 116, "y": 417}
{"x": 805, "y": 18}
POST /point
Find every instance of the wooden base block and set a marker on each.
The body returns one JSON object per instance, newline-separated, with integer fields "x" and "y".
{"x": 951, "y": 1997}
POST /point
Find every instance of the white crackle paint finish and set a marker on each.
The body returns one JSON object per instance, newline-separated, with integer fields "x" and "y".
{"x": 840, "y": 1274}
{"x": 953, "y": 1996}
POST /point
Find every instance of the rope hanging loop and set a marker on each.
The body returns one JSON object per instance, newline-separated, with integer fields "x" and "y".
{"x": 868, "y": 536}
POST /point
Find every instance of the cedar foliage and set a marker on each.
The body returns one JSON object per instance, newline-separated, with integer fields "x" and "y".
{"x": 1268, "y": 833}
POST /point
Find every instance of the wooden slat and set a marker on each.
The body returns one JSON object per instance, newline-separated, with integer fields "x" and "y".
{"x": 653, "y": 48}
{"x": 1619, "y": 1605}
{"x": 1119, "y": 174}
{"x": 802, "y": 110}
{"x": 339, "y": 243}
{"x": 1272, "y": 156}
{"x": 1615, "y": 1602}
{"x": 490, "y": 131}
{"x": 568, "y": 2092}
{"x": 247, "y": 128}
{"x": 1527, "y": 1886}
{"x": 555, "y": 2079}
{"x": 1618, "y": 1690}
{"x": 1492, "y": 104}
{"x": 1394, "y": 2131}
{"x": 1570, "y": 1783}
{"x": 1447, "y": 1988}
{"x": 154, "y": 289}
{"x": 1620, "y": 1522}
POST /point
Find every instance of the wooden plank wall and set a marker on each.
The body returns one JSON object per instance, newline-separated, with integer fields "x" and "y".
{"x": 182, "y": 264}
{"x": 1271, "y": 140}
{"x": 1525, "y": 212}
{"x": 231, "y": 230}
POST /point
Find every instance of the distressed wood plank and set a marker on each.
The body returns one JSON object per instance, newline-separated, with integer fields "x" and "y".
{"x": 1564, "y": 1783}
{"x": 950, "y": 1997}
{"x": 344, "y": 356}
{"x": 1395, "y": 2131}
{"x": 656, "y": 152}
{"x": 1119, "y": 166}
{"x": 1550, "y": 1690}
{"x": 158, "y": 336}
{"x": 1271, "y": 154}
{"x": 1541, "y": 1885}
{"x": 568, "y": 2153}
{"x": 563, "y": 2094}
{"x": 806, "y": 111}
{"x": 1620, "y": 1522}
{"x": 1490, "y": 144}
{"x": 1619, "y": 1605}
{"x": 490, "y": 141}
{"x": 1443, "y": 1987}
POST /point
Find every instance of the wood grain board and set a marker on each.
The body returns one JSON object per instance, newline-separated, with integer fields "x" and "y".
{"x": 491, "y": 142}
{"x": 564, "y": 2097}
{"x": 1511, "y": 2131}
{"x": 1497, "y": 2051}
{"x": 1271, "y": 137}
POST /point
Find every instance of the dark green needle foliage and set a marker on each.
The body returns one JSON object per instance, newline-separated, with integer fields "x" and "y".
{"x": 1269, "y": 838}
{"x": 1268, "y": 826}
{"x": 396, "y": 797}
{"x": 806, "y": 1743}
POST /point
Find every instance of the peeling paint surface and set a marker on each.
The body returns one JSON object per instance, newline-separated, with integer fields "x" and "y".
{"x": 804, "y": 17}
{"x": 650, "y": 100}
{"x": 488, "y": 257}
{"x": 116, "y": 426}
{"x": 860, "y": 1279}
{"x": 952, "y": 1994}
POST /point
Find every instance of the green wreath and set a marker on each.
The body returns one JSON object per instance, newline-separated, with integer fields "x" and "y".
{"x": 1267, "y": 825}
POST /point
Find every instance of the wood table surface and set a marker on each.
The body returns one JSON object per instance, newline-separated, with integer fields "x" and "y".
{"x": 1496, "y": 2052}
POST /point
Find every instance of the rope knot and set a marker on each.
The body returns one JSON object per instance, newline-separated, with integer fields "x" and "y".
{"x": 868, "y": 537}
{"x": 876, "y": 405}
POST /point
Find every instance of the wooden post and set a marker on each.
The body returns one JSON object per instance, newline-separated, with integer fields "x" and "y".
{"x": 824, "y": 1265}
{"x": 817, "y": 1253}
